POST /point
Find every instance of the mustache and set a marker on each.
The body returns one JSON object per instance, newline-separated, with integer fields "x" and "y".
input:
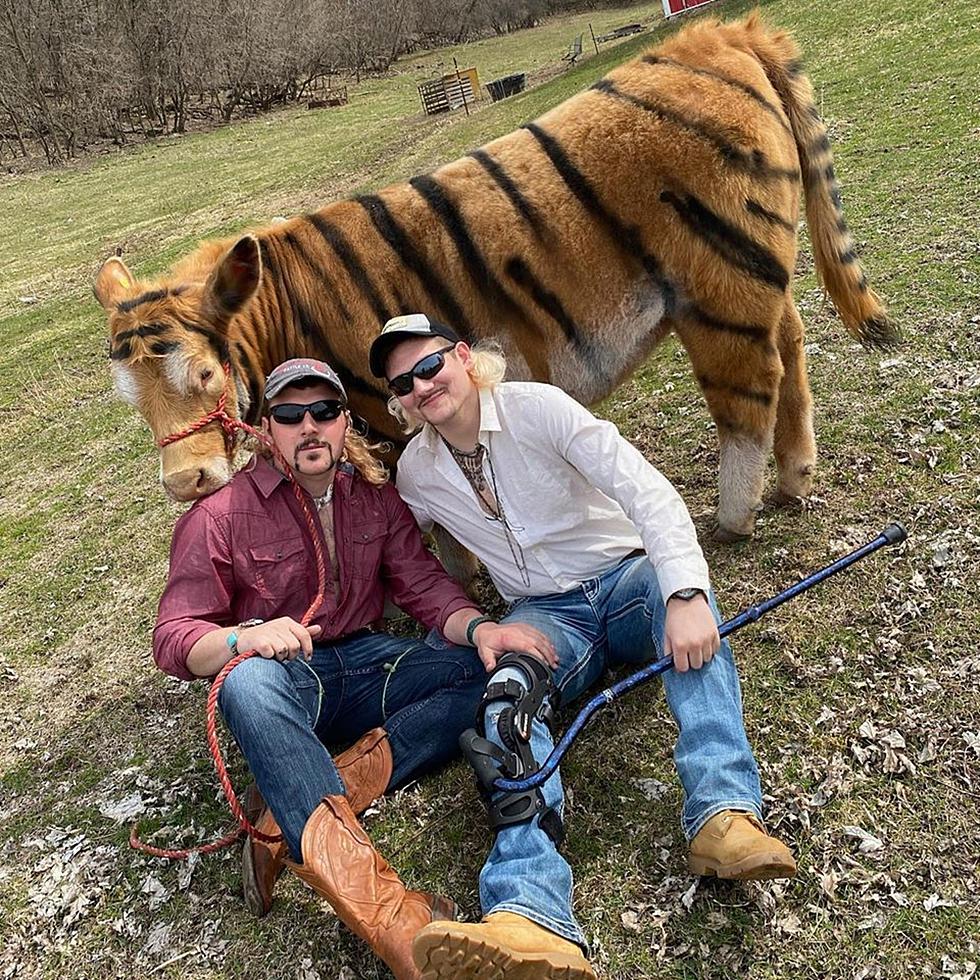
{"x": 314, "y": 444}
{"x": 432, "y": 394}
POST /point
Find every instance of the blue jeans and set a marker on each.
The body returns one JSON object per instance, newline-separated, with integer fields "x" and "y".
{"x": 618, "y": 618}
{"x": 281, "y": 714}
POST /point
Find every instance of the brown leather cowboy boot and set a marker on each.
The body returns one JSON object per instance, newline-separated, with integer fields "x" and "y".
{"x": 261, "y": 862}
{"x": 365, "y": 769}
{"x": 342, "y": 866}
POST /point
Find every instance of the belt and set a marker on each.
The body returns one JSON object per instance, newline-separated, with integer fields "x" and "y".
{"x": 355, "y": 635}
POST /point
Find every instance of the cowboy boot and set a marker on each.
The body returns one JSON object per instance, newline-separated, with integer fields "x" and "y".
{"x": 342, "y": 866}
{"x": 261, "y": 861}
{"x": 734, "y": 845}
{"x": 365, "y": 769}
{"x": 504, "y": 944}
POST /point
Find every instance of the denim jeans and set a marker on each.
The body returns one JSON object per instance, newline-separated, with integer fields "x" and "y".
{"x": 281, "y": 714}
{"x": 618, "y": 618}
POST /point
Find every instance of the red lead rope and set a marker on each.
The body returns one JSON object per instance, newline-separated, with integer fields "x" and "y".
{"x": 229, "y": 425}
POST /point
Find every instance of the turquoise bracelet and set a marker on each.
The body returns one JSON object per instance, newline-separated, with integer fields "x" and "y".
{"x": 232, "y": 638}
{"x": 471, "y": 629}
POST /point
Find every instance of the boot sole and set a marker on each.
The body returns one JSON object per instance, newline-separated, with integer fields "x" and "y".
{"x": 447, "y": 955}
{"x": 759, "y": 867}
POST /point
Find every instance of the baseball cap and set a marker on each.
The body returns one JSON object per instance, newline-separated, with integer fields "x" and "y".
{"x": 297, "y": 368}
{"x": 405, "y": 327}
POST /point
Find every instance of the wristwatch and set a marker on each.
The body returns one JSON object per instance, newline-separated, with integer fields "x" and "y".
{"x": 232, "y": 638}
{"x": 686, "y": 594}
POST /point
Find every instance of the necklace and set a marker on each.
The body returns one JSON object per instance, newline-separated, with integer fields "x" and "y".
{"x": 471, "y": 464}
{"x": 322, "y": 501}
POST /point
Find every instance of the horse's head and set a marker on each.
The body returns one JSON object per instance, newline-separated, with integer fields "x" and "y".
{"x": 169, "y": 344}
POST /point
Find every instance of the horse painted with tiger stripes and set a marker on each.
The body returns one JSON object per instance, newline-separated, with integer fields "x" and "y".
{"x": 663, "y": 198}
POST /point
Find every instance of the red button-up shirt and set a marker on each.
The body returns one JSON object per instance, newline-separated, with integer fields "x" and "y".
{"x": 245, "y": 552}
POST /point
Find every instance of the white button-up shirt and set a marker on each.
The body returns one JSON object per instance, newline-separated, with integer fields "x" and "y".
{"x": 577, "y": 497}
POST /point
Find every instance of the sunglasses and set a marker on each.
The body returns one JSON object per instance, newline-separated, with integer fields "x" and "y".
{"x": 428, "y": 367}
{"x": 289, "y": 413}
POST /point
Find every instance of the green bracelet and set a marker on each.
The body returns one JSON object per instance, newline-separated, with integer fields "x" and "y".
{"x": 471, "y": 629}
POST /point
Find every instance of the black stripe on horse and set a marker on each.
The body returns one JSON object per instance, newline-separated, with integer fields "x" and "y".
{"x": 728, "y": 241}
{"x": 410, "y": 255}
{"x": 749, "y": 90}
{"x": 626, "y": 237}
{"x": 503, "y": 180}
{"x": 344, "y": 251}
{"x": 750, "y": 161}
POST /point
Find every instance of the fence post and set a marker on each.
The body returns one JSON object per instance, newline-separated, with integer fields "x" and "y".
{"x": 594, "y": 41}
{"x": 462, "y": 91}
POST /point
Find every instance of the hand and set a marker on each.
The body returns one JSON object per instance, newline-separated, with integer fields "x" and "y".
{"x": 691, "y": 633}
{"x": 280, "y": 639}
{"x": 493, "y": 640}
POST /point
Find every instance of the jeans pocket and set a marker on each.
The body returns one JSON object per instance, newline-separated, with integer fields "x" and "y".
{"x": 308, "y": 687}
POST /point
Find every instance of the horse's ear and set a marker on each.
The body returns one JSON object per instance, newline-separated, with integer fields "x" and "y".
{"x": 113, "y": 282}
{"x": 234, "y": 279}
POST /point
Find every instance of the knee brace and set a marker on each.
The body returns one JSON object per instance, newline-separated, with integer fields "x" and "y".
{"x": 532, "y": 699}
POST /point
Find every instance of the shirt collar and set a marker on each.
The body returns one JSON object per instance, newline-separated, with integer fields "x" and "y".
{"x": 264, "y": 475}
{"x": 489, "y": 422}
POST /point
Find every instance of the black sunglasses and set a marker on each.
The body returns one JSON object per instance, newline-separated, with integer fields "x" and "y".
{"x": 325, "y": 410}
{"x": 428, "y": 367}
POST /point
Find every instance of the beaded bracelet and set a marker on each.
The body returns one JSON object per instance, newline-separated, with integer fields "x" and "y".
{"x": 471, "y": 629}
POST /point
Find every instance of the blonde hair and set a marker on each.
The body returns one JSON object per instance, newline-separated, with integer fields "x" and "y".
{"x": 360, "y": 454}
{"x": 487, "y": 368}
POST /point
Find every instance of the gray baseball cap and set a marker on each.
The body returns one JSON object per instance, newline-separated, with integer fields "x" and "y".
{"x": 405, "y": 327}
{"x": 297, "y": 368}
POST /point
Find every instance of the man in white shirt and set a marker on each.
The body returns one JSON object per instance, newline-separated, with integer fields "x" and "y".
{"x": 594, "y": 547}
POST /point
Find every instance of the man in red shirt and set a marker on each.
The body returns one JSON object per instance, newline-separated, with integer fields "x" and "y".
{"x": 242, "y": 573}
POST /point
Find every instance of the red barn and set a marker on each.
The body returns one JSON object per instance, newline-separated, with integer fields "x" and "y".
{"x": 672, "y": 7}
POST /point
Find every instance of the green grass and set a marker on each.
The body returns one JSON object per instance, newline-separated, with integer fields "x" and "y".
{"x": 84, "y": 532}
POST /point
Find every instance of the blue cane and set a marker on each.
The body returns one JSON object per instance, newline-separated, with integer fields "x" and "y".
{"x": 893, "y": 534}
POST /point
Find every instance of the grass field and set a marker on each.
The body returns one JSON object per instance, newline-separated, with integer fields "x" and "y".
{"x": 862, "y": 698}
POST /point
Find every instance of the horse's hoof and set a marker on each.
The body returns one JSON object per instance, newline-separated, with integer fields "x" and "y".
{"x": 780, "y": 498}
{"x": 727, "y": 536}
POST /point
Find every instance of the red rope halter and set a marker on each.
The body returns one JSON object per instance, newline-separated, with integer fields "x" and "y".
{"x": 229, "y": 425}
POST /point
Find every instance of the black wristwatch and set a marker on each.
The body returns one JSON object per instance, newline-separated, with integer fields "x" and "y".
{"x": 686, "y": 594}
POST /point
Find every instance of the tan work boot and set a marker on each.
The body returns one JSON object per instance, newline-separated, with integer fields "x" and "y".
{"x": 735, "y": 845}
{"x": 365, "y": 769}
{"x": 504, "y": 944}
{"x": 341, "y": 865}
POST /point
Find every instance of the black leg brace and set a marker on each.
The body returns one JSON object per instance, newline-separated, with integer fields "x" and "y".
{"x": 530, "y": 701}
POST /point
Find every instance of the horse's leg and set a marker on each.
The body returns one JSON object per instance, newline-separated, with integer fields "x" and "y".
{"x": 795, "y": 447}
{"x": 740, "y": 375}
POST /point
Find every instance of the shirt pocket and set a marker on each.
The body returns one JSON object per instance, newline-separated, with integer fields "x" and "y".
{"x": 278, "y": 568}
{"x": 367, "y": 542}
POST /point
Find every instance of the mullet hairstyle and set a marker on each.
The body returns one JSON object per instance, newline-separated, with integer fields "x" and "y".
{"x": 487, "y": 369}
{"x": 357, "y": 450}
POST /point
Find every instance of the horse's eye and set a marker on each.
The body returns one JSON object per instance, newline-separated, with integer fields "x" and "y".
{"x": 206, "y": 375}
